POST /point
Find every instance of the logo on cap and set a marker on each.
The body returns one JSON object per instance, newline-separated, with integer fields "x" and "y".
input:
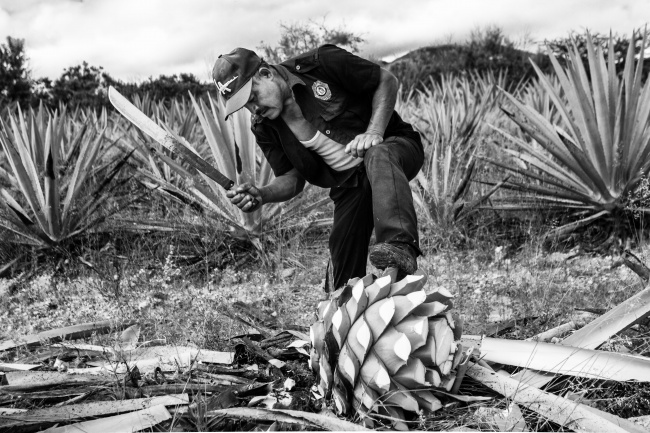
{"x": 223, "y": 88}
{"x": 321, "y": 90}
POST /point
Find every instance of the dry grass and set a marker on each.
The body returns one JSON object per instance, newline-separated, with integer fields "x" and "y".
{"x": 490, "y": 284}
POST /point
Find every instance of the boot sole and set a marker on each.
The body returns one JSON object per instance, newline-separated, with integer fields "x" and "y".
{"x": 383, "y": 257}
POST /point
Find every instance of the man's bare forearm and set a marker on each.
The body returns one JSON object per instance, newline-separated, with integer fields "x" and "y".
{"x": 283, "y": 188}
{"x": 383, "y": 103}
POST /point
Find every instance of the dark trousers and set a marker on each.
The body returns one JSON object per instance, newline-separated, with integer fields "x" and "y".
{"x": 380, "y": 199}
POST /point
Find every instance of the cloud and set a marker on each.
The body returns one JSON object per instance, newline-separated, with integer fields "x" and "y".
{"x": 418, "y": 24}
{"x": 133, "y": 40}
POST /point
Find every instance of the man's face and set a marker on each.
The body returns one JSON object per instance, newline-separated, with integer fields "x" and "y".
{"x": 266, "y": 98}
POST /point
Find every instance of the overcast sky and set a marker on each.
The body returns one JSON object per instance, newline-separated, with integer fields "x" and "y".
{"x": 135, "y": 39}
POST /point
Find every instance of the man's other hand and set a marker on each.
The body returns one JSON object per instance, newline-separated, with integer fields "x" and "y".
{"x": 362, "y": 143}
{"x": 242, "y": 196}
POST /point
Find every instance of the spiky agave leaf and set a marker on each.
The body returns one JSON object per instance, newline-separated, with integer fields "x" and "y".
{"x": 593, "y": 149}
{"x": 380, "y": 358}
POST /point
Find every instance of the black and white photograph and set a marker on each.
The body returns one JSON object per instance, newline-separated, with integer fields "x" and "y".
{"x": 238, "y": 215}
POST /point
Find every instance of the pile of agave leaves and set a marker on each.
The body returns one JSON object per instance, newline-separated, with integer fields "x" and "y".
{"x": 53, "y": 380}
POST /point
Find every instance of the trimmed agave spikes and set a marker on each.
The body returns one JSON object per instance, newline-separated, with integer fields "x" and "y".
{"x": 382, "y": 345}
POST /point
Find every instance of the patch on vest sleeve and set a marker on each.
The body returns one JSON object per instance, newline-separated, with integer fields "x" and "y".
{"x": 321, "y": 90}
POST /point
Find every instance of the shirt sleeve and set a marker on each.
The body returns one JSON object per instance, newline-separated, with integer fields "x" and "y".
{"x": 353, "y": 73}
{"x": 273, "y": 152}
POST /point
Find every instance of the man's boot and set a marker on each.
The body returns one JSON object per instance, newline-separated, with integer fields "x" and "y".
{"x": 385, "y": 255}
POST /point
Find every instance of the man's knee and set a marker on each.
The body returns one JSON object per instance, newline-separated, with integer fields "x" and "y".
{"x": 380, "y": 152}
{"x": 399, "y": 152}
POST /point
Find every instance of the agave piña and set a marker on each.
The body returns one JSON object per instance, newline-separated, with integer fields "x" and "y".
{"x": 593, "y": 152}
{"x": 382, "y": 346}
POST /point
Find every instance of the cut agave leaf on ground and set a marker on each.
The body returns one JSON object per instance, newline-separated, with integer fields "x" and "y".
{"x": 18, "y": 367}
{"x": 168, "y": 358}
{"x": 17, "y": 381}
{"x": 324, "y": 421}
{"x": 306, "y": 419}
{"x": 68, "y": 333}
{"x": 464, "y": 398}
{"x": 558, "y": 359}
{"x": 595, "y": 333}
{"x": 619, "y": 318}
{"x": 11, "y": 411}
{"x": 89, "y": 410}
{"x": 83, "y": 347}
{"x": 126, "y": 423}
{"x": 627, "y": 424}
{"x": 558, "y": 409}
{"x": 549, "y": 334}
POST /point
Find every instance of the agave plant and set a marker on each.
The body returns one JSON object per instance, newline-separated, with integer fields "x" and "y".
{"x": 536, "y": 96}
{"x": 449, "y": 114}
{"x": 57, "y": 189}
{"x": 592, "y": 152}
{"x": 382, "y": 346}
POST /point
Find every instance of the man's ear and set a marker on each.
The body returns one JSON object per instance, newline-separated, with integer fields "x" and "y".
{"x": 265, "y": 72}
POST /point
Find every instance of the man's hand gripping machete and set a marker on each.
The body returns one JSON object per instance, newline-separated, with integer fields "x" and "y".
{"x": 149, "y": 127}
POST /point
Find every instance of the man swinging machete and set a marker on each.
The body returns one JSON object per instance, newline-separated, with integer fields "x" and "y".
{"x": 328, "y": 117}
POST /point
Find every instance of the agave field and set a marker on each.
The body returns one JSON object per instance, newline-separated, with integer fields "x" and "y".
{"x": 529, "y": 311}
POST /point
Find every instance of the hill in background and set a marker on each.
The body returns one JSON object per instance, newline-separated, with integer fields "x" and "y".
{"x": 414, "y": 68}
{"x": 490, "y": 50}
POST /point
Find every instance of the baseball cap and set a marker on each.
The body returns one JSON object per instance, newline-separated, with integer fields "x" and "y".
{"x": 233, "y": 73}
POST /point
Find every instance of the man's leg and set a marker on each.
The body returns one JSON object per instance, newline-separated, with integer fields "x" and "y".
{"x": 351, "y": 231}
{"x": 389, "y": 167}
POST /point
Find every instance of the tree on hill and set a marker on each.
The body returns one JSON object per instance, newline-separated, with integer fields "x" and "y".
{"x": 300, "y": 37}
{"x": 490, "y": 49}
{"x": 487, "y": 49}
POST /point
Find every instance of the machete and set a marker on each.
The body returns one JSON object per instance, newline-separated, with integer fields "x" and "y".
{"x": 168, "y": 141}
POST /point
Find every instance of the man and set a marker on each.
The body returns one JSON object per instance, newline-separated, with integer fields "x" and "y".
{"x": 327, "y": 117}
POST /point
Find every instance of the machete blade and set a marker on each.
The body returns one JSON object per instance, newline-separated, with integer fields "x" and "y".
{"x": 168, "y": 141}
